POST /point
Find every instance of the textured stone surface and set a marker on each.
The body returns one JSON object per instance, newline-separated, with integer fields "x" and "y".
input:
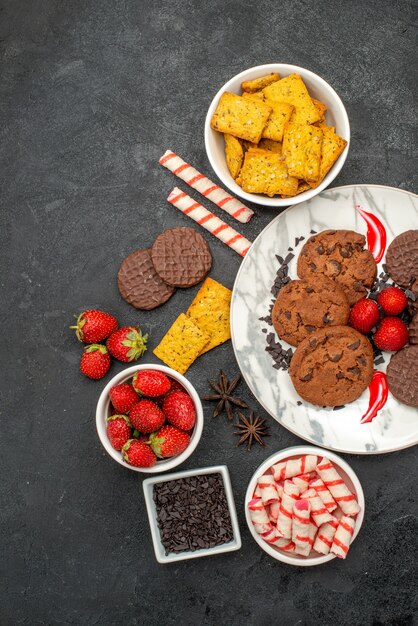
{"x": 91, "y": 94}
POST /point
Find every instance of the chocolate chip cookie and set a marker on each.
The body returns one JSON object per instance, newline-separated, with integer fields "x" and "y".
{"x": 402, "y": 375}
{"x": 340, "y": 256}
{"x": 333, "y": 366}
{"x": 139, "y": 284}
{"x": 402, "y": 258}
{"x": 303, "y": 306}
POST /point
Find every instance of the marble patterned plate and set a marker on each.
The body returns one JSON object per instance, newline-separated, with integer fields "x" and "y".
{"x": 396, "y": 425}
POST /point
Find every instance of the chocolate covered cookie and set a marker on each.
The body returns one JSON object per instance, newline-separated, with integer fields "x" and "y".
{"x": 413, "y": 330}
{"x": 339, "y": 255}
{"x": 139, "y": 284}
{"x": 333, "y": 366}
{"x": 181, "y": 257}
{"x": 402, "y": 375}
{"x": 402, "y": 258}
{"x": 303, "y": 306}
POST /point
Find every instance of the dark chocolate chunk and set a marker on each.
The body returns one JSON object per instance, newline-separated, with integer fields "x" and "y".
{"x": 355, "y": 345}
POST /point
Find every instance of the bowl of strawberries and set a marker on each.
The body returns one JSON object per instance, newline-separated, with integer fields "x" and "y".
{"x": 149, "y": 418}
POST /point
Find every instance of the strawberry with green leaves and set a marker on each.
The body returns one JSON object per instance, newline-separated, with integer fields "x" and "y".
{"x": 118, "y": 430}
{"x": 169, "y": 441}
{"x": 138, "y": 453}
{"x": 179, "y": 410}
{"x": 146, "y": 416}
{"x": 127, "y": 344}
{"x": 123, "y": 397}
{"x": 94, "y": 326}
{"x": 151, "y": 383}
{"x": 95, "y": 361}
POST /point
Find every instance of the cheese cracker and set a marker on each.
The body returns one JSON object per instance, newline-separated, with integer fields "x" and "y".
{"x": 234, "y": 154}
{"x": 241, "y": 117}
{"x": 292, "y": 90}
{"x": 257, "y": 84}
{"x": 302, "y": 150}
{"x": 210, "y": 311}
{"x": 332, "y": 146}
{"x": 182, "y": 344}
{"x": 266, "y": 172}
{"x": 277, "y": 121}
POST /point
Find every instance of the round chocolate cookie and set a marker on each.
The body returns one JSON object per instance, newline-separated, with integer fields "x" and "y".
{"x": 413, "y": 330}
{"x": 333, "y": 366}
{"x": 181, "y": 257}
{"x": 402, "y": 258}
{"x": 303, "y": 306}
{"x": 139, "y": 283}
{"x": 340, "y": 256}
{"x": 402, "y": 375}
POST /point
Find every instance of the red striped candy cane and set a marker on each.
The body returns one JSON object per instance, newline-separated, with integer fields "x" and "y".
{"x": 206, "y": 187}
{"x": 325, "y": 536}
{"x": 259, "y": 516}
{"x": 339, "y": 490}
{"x": 268, "y": 489}
{"x": 301, "y": 523}
{"x": 294, "y": 467}
{"x": 324, "y": 493}
{"x": 208, "y": 220}
{"x": 319, "y": 511}
{"x": 284, "y": 520}
{"x": 342, "y": 537}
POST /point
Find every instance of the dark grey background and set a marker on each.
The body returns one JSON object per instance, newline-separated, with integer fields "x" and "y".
{"x": 92, "y": 93}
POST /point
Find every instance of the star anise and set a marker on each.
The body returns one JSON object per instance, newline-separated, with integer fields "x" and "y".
{"x": 224, "y": 396}
{"x": 251, "y": 429}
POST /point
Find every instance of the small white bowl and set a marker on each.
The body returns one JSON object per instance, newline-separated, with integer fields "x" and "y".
{"x": 347, "y": 474}
{"x": 318, "y": 88}
{"x": 103, "y": 412}
{"x": 159, "y": 549}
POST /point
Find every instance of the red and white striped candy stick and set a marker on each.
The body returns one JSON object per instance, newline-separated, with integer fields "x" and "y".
{"x": 325, "y": 536}
{"x": 324, "y": 493}
{"x": 206, "y": 187}
{"x": 208, "y": 220}
{"x": 259, "y": 516}
{"x": 271, "y": 535}
{"x": 284, "y": 544}
{"x": 274, "y": 511}
{"x": 257, "y": 492}
{"x": 342, "y": 537}
{"x": 284, "y": 520}
{"x": 294, "y": 467}
{"x": 268, "y": 489}
{"x": 301, "y": 522}
{"x": 339, "y": 490}
{"x": 304, "y": 550}
{"x": 319, "y": 511}
{"x": 303, "y": 480}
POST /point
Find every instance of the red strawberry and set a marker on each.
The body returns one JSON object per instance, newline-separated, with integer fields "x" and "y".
{"x": 118, "y": 430}
{"x": 127, "y": 344}
{"x": 146, "y": 416}
{"x": 138, "y": 453}
{"x": 174, "y": 386}
{"x": 151, "y": 383}
{"x": 169, "y": 441}
{"x": 94, "y": 326}
{"x": 391, "y": 335}
{"x": 179, "y": 410}
{"x": 123, "y": 397}
{"x": 364, "y": 315}
{"x": 95, "y": 361}
{"x": 392, "y": 300}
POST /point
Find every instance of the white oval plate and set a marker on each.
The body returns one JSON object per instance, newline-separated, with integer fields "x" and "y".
{"x": 396, "y": 425}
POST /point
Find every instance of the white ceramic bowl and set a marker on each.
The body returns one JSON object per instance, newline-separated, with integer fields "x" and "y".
{"x": 347, "y": 474}
{"x": 148, "y": 486}
{"x": 102, "y": 412}
{"x": 318, "y": 88}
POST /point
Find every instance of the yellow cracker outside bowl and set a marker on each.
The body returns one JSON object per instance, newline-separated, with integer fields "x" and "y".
{"x": 257, "y": 84}
{"x": 277, "y": 121}
{"x": 273, "y": 146}
{"x": 210, "y": 311}
{"x": 181, "y": 344}
{"x": 241, "y": 117}
{"x": 266, "y": 172}
{"x": 254, "y": 96}
{"x": 332, "y": 146}
{"x": 302, "y": 145}
{"x": 234, "y": 154}
{"x": 293, "y": 90}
